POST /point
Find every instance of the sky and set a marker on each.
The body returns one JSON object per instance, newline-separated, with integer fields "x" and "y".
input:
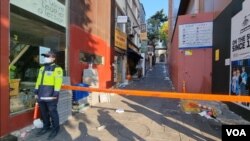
{"x": 152, "y": 6}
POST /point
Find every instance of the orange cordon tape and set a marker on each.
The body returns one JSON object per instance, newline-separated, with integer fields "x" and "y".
{"x": 176, "y": 95}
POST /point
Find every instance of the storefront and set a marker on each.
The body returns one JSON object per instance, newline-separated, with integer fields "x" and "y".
{"x": 133, "y": 58}
{"x": 28, "y": 29}
{"x": 120, "y": 58}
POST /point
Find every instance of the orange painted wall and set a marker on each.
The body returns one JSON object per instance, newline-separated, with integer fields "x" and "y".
{"x": 92, "y": 31}
{"x": 82, "y": 41}
{"x": 4, "y": 44}
{"x": 195, "y": 70}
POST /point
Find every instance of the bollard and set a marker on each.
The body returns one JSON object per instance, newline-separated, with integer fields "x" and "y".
{"x": 183, "y": 86}
{"x": 35, "y": 111}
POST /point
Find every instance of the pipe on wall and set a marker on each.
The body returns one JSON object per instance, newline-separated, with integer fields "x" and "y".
{"x": 196, "y": 6}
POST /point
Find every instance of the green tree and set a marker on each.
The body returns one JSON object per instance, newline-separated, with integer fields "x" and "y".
{"x": 154, "y": 23}
{"x": 164, "y": 32}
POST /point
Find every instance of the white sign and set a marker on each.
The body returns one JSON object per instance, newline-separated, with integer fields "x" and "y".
{"x": 41, "y": 51}
{"x": 240, "y": 50}
{"x": 240, "y": 34}
{"x": 227, "y": 62}
{"x": 198, "y": 35}
{"x": 90, "y": 77}
{"x": 122, "y": 19}
{"x": 51, "y": 10}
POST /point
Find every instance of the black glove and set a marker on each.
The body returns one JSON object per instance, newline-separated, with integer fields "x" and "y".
{"x": 56, "y": 94}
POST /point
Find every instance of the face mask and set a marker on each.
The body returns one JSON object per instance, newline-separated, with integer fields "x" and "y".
{"x": 48, "y": 60}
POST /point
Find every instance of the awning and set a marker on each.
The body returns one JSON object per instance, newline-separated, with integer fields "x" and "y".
{"x": 133, "y": 55}
{"x": 132, "y": 51}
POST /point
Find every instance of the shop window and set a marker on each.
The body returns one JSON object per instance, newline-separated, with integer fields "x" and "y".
{"x": 91, "y": 58}
{"x": 28, "y": 39}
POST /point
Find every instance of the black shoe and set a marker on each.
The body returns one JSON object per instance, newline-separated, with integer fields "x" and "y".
{"x": 53, "y": 134}
{"x": 42, "y": 132}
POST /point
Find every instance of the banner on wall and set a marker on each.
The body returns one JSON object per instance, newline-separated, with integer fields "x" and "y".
{"x": 52, "y": 10}
{"x": 120, "y": 39}
{"x": 240, "y": 34}
{"x": 143, "y": 35}
{"x": 197, "y": 35}
{"x": 240, "y": 52}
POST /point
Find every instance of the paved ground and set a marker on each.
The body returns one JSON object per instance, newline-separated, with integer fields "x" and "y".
{"x": 143, "y": 119}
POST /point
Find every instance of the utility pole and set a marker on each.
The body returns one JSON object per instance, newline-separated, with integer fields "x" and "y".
{"x": 170, "y": 22}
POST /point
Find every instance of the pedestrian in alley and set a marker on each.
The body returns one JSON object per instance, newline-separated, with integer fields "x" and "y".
{"x": 47, "y": 89}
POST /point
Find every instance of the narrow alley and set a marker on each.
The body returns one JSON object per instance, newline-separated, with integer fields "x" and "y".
{"x": 129, "y": 118}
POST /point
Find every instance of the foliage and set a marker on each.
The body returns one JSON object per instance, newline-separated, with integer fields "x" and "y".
{"x": 164, "y": 32}
{"x": 154, "y": 23}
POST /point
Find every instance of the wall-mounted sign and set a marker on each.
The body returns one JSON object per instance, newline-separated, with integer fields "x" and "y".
{"x": 120, "y": 39}
{"x": 188, "y": 52}
{"x": 198, "y": 35}
{"x": 227, "y": 62}
{"x": 122, "y": 19}
{"x": 240, "y": 34}
{"x": 240, "y": 51}
{"x": 217, "y": 55}
{"x": 144, "y": 36}
{"x": 51, "y": 10}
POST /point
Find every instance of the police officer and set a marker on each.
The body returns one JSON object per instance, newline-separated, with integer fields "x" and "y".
{"x": 47, "y": 89}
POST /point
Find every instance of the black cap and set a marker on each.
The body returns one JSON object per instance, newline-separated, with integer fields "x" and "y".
{"x": 49, "y": 54}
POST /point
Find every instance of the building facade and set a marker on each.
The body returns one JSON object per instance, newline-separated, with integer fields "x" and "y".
{"x": 91, "y": 40}
{"x": 193, "y": 12}
{"x": 120, "y": 54}
{"x": 74, "y": 29}
{"x": 144, "y": 39}
{"x": 28, "y": 29}
{"x": 185, "y": 67}
{"x": 228, "y": 55}
{"x": 133, "y": 26}
{"x": 133, "y": 32}
{"x": 127, "y": 41}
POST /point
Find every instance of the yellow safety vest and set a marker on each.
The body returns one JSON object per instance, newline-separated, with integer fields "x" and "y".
{"x": 49, "y": 79}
